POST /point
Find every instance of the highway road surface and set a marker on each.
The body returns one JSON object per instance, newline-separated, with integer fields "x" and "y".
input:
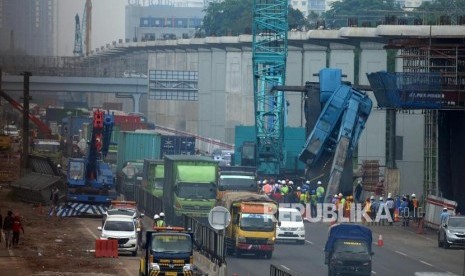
{"x": 404, "y": 253}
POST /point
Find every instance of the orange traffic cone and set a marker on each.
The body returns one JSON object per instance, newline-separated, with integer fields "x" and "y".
{"x": 380, "y": 240}
{"x": 396, "y": 216}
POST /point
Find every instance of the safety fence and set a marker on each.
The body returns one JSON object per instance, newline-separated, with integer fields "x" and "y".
{"x": 147, "y": 202}
{"x": 209, "y": 242}
{"x": 275, "y": 271}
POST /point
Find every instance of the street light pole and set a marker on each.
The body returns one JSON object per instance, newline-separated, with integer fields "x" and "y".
{"x": 25, "y": 134}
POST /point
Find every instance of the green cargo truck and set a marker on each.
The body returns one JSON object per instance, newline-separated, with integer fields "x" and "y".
{"x": 190, "y": 187}
{"x": 153, "y": 176}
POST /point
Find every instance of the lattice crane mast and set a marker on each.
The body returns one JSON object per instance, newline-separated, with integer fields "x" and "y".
{"x": 269, "y": 53}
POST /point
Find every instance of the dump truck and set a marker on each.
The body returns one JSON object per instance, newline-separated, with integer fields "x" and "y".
{"x": 48, "y": 148}
{"x": 348, "y": 250}
{"x": 237, "y": 178}
{"x": 189, "y": 187}
{"x": 167, "y": 251}
{"x": 153, "y": 176}
{"x": 253, "y": 223}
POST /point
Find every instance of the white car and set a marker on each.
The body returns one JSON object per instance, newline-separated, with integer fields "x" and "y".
{"x": 291, "y": 225}
{"x": 124, "y": 230}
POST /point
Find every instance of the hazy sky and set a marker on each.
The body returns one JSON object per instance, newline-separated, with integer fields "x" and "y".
{"x": 107, "y": 22}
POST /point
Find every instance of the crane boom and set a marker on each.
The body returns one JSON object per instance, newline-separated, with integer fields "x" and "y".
{"x": 269, "y": 53}
{"x": 43, "y": 128}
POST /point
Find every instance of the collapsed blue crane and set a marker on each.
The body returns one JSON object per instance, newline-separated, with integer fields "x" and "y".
{"x": 338, "y": 127}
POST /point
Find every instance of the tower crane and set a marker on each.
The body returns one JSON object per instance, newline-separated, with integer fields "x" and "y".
{"x": 86, "y": 27}
{"x": 269, "y": 53}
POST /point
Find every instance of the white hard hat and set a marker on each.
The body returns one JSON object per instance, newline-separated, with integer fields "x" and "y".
{"x": 156, "y": 217}
{"x": 444, "y": 209}
{"x": 389, "y": 195}
{"x": 162, "y": 214}
{"x": 413, "y": 195}
{"x": 381, "y": 198}
{"x": 283, "y": 182}
{"x": 340, "y": 194}
{"x": 319, "y": 183}
{"x": 307, "y": 182}
{"x": 335, "y": 195}
{"x": 291, "y": 182}
{"x": 298, "y": 188}
{"x": 372, "y": 197}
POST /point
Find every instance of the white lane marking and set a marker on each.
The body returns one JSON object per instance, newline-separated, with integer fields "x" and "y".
{"x": 423, "y": 262}
{"x": 310, "y": 242}
{"x": 401, "y": 253}
{"x": 283, "y": 266}
{"x": 90, "y": 231}
{"x": 374, "y": 272}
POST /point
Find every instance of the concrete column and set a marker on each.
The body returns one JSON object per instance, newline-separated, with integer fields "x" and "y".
{"x": 373, "y": 58}
{"x": 342, "y": 57}
{"x": 294, "y": 77}
{"x": 136, "y": 102}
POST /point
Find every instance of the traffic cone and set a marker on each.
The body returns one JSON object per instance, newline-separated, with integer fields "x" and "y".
{"x": 380, "y": 240}
{"x": 396, "y": 216}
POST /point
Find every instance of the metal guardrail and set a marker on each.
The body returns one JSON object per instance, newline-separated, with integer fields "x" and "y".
{"x": 275, "y": 271}
{"x": 209, "y": 242}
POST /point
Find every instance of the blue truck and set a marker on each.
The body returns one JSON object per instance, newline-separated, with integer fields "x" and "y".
{"x": 348, "y": 250}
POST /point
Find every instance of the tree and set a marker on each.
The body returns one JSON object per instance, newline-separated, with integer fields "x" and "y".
{"x": 431, "y": 11}
{"x": 296, "y": 20}
{"x": 231, "y": 17}
{"x": 371, "y": 10}
{"x": 234, "y": 17}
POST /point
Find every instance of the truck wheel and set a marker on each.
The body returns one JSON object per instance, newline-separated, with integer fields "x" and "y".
{"x": 445, "y": 243}
{"x": 268, "y": 255}
{"x": 440, "y": 244}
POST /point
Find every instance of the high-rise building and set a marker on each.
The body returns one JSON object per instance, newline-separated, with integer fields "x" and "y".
{"x": 162, "y": 20}
{"x": 28, "y": 27}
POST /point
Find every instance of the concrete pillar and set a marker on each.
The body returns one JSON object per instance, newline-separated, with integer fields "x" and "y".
{"x": 136, "y": 102}
{"x": 342, "y": 57}
{"x": 294, "y": 76}
{"x": 373, "y": 58}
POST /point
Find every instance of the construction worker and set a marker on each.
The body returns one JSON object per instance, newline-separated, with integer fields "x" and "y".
{"x": 161, "y": 222}
{"x": 302, "y": 196}
{"x": 374, "y": 209}
{"x": 404, "y": 211}
{"x": 156, "y": 218}
{"x": 267, "y": 188}
{"x": 391, "y": 206}
{"x": 320, "y": 192}
{"x": 381, "y": 205}
{"x": 313, "y": 202}
{"x": 367, "y": 208}
{"x": 444, "y": 215}
{"x": 415, "y": 207}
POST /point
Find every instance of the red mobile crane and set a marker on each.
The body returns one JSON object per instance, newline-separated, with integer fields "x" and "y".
{"x": 44, "y": 130}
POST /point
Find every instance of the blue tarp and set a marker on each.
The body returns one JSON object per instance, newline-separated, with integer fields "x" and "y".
{"x": 348, "y": 231}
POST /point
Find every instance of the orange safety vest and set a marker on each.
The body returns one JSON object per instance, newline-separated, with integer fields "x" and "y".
{"x": 415, "y": 203}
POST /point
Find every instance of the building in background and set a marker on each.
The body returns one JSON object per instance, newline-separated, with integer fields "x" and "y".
{"x": 161, "y": 20}
{"x": 28, "y": 27}
{"x": 317, "y": 6}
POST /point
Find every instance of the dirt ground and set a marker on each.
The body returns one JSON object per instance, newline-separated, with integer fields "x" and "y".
{"x": 51, "y": 245}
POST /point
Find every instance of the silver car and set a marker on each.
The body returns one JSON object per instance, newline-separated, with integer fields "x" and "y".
{"x": 452, "y": 232}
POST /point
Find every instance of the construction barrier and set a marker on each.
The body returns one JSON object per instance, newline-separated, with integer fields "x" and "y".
{"x": 434, "y": 207}
{"x": 275, "y": 271}
{"x": 106, "y": 248}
